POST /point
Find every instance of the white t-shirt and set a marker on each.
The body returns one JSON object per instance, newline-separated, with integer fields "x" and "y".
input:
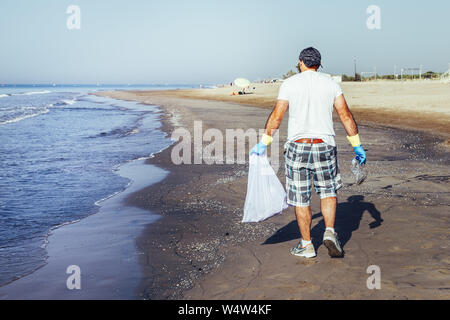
{"x": 311, "y": 98}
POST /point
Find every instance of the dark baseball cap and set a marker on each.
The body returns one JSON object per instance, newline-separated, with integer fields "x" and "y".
{"x": 311, "y": 57}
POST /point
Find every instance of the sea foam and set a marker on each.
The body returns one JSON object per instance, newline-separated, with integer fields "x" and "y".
{"x": 35, "y": 92}
{"x": 25, "y": 116}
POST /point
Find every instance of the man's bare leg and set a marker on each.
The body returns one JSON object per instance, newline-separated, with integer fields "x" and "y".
{"x": 328, "y": 207}
{"x": 305, "y": 248}
{"x": 304, "y": 218}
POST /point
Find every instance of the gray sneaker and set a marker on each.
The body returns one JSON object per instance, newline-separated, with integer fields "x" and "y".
{"x": 306, "y": 252}
{"x": 331, "y": 241}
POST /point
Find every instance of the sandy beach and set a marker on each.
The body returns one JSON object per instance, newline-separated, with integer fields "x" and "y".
{"x": 397, "y": 220}
{"x": 420, "y": 105}
{"x": 126, "y": 173}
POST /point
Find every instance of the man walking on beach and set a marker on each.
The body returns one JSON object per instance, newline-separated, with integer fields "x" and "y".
{"x": 310, "y": 151}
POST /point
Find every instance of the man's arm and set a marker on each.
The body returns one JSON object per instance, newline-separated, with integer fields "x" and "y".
{"x": 350, "y": 126}
{"x": 276, "y": 117}
{"x": 346, "y": 116}
{"x": 273, "y": 123}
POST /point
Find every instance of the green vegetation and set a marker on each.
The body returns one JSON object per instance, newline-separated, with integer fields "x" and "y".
{"x": 292, "y": 72}
{"x": 431, "y": 75}
{"x": 289, "y": 74}
{"x": 351, "y": 78}
{"x": 427, "y": 75}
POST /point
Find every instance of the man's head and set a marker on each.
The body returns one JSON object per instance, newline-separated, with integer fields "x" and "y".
{"x": 310, "y": 58}
{"x": 355, "y": 199}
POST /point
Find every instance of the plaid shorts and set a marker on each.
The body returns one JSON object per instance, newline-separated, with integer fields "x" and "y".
{"x": 306, "y": 160}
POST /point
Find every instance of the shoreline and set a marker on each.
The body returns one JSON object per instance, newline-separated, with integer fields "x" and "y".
{"x": 200, "y": 232}
{"x": 105, "y": 234}
{"x": 63, "y": 238}
{"x": 158, "y": 238}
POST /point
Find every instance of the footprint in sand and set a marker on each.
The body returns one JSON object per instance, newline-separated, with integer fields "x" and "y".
{"x": 439, "y": 274}
{"x": 398, "y": 249}
{"x": 427, "y": 245}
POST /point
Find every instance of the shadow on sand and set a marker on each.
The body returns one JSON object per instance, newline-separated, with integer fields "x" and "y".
{"x": 348, "y": 219}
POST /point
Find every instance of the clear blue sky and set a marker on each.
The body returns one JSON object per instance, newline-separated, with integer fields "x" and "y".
{"x": 210, "y": 41}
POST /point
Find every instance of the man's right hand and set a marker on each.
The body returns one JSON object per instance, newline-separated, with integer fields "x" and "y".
{"x": 259, "y": 149}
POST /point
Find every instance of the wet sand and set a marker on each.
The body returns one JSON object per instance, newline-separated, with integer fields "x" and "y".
{"x": 102, "y": 246}
{"x": 398, "y": 219}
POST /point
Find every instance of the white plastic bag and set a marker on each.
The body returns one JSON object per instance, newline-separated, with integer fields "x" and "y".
{"x": 265, "y": 194}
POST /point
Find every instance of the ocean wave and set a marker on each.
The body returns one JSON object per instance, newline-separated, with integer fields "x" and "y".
{"x": 24, "y": 116}
{"x": 64, "y": 103}
{"x": 133, "y": 131}
{"x": 118, "y": 132}
{"x": 99, "y": 202}
{"x": 45, "y": 241}
{"x": 35, "y": 92}
{"x": 70, "y": 102}
{"x": 30, "y": 93}
{"x": 4, "y": 95}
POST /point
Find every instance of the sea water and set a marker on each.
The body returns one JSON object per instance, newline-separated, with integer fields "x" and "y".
{"x": 59, "y": 149}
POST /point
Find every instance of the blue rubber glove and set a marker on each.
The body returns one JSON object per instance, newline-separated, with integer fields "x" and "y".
{"x": 259, "y": 149}
{"x": 360, "y": 154}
